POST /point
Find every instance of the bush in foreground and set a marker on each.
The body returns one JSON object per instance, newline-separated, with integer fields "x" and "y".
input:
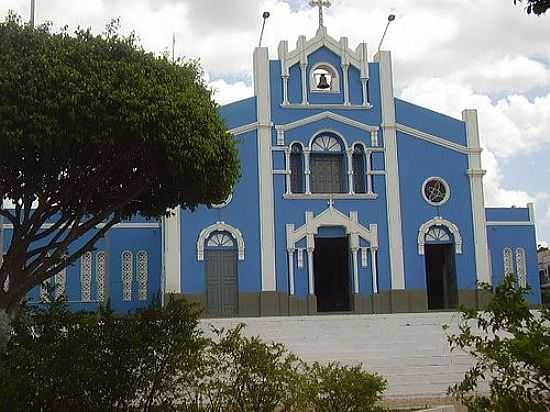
{"x": 510, "y": 346}
{"x": 159, "y": 360}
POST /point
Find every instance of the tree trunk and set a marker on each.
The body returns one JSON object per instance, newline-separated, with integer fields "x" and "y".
{"x": 5, "y": 329}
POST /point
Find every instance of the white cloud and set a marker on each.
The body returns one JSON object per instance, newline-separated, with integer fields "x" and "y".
{"x": 448, "y": 55}
{"x": 230, "y": 92}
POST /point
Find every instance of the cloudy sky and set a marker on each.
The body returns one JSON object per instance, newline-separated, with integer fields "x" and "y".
{"x": 448, "y": 55}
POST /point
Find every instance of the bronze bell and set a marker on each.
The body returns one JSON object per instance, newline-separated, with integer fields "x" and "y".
{"x": 323, "y": 82}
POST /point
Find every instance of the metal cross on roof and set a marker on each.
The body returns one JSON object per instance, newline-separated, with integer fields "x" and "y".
{"x": 320, "y": 4}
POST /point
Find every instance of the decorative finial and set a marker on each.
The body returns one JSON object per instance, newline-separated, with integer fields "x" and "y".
{"x": 320, "y": 4}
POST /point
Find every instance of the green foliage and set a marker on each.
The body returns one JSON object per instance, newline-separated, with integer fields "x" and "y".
{"x": 245, "y": 374}
{"x": 93, "y": 129}
{"x": 61, "y": 361}
{"x": 159, "y": 360}
{"x": 336, "y": 388}
{"x": 537, "y": 7}
{"x": 511, "y": 348}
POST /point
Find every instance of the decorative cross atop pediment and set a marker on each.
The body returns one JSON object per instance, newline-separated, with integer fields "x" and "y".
{"x": 320, "y": 4}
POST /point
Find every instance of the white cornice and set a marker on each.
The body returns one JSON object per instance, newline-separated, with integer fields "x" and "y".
{"x": 313, "y": 106}
{"x": 326, "y": 115}
{"x": 514, "y": 223}
{"x": 244, "y": 128}
{"x": 434, "y": 139}
{"x": 102, "y": 225}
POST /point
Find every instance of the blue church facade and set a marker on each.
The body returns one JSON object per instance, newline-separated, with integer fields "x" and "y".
{"x": 351, "y": 200}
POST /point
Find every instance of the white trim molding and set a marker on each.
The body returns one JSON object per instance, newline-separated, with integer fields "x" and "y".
{"x": 395, "y": 232}
{"x": 244, "y": 129}
{"x": 262, "y": 91}
{"x": 220, "y": 227}
{"x": 510, "y": 223}
{"x": 479, "y": 219}
{"x": 440, "y": 141}
{"x": 283, "y": 128}
{"x": 439, "y": 221}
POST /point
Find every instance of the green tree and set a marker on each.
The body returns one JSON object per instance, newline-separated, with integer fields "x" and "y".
{"x": 94, "y": 130}
{"x": 537, "y": 7}
{"x": 510, "y": 345}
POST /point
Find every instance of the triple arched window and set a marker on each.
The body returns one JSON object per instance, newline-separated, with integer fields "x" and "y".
{"x": 328, "y": 167}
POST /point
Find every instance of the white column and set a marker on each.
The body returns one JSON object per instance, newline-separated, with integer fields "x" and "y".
{"x": 265, "y": 168}
{"x": 345, "y": 73}
{"x": 285, "y": 89}
{"x": 307, "y": 171}
{"x": 303, "y": 69}
{"x": 288, "y": 171}
{"x": 349, "y": 154}
{"x": 354, "y": 252}
{"x": 476, "y": 174}
{"x": 368, "y": 154}
{"x": 373, "y": 252}
{"x": 364, "y": 83}
{"x": 310, "y": 270}
{"x": 291, "y": 271}
{"x": 172, "y": 252}
{"x": 392, "y": 171}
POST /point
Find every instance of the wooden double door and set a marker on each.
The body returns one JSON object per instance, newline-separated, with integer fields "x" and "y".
{"x": 222, "y": 282}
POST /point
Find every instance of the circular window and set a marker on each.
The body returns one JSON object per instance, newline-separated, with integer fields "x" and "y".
{"x": 435, "y": 191}
{"x": 224, "y": 203}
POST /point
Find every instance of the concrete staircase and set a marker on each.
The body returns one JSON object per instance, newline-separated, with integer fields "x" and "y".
{"x": 410, "y": 350}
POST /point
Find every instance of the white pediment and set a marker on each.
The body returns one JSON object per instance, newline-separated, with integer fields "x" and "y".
{"x": 332, "y": 217}
{"x": 304, "y": 48}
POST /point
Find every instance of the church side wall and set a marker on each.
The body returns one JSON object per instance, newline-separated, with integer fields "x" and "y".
{"x": 418, "y": 161}
{"x": 135, "y": 236}
{"x": 241, "y": 213}
{"x": 513, "y": 229}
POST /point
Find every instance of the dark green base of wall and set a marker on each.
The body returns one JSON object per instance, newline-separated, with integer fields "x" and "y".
{"x": 281, "y": 304}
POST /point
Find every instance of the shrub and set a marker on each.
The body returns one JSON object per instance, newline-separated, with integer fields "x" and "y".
{"x": 337, "y": 388}
{"x": 58, "y": 360}
{"x": 159, "y": 360}
{"x": 510, "y": 346}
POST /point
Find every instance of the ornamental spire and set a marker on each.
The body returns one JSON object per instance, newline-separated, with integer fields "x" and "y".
{"x": 320, "y": 4}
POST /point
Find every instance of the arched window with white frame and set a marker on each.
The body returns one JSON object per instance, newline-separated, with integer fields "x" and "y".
{"x": 328, "y": 164}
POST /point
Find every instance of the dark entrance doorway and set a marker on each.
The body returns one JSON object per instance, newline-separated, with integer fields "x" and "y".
{"x": 441, "y": 276}
{"x": 332, "y": 278}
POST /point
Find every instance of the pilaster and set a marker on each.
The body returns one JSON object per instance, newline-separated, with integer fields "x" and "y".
{"x": 476, "y": 173}
{"x": 265, "y": 166}
{"x": 172, "y": 252}
{"x": 392, "y": 171}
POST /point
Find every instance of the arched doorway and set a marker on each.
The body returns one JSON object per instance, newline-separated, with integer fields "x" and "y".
{"x": 441, "y": 282}
{"x": 221, "y": 274}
